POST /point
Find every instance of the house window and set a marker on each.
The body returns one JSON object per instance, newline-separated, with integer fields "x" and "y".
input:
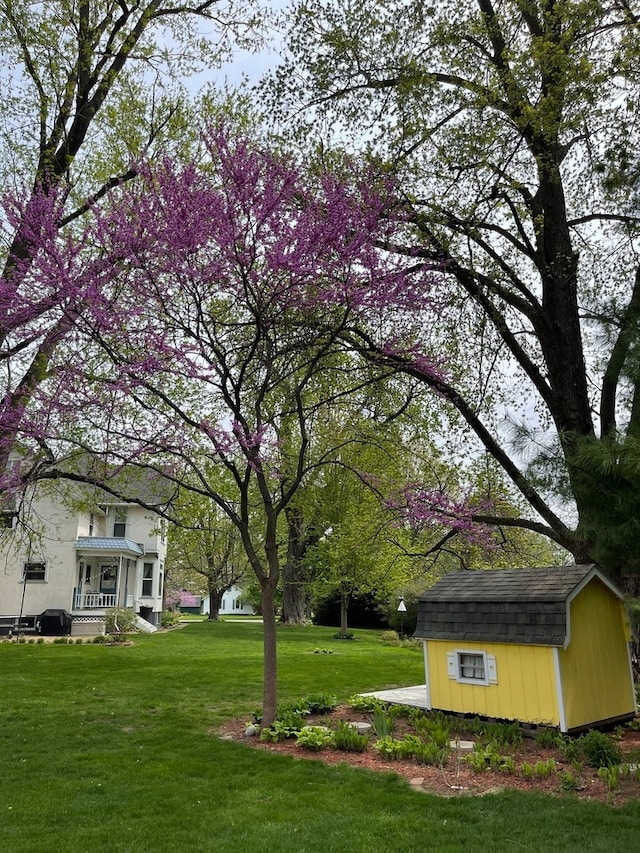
{"x": 120, "y": 522}
{"x": 7, "y": 519}
{"x": 35, "y": 572}
{"x": 91, "y": 523}
{"x": 147, "y": 579}
{"x": 469, "y": 666}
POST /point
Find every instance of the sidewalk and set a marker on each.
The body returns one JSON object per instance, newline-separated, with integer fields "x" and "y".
{"x": 415, "y": 697}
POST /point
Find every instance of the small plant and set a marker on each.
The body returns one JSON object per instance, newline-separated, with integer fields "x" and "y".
{"x": 507, "y": 765}
{"x": 431, "y": 753}
{"x": 569, "y": 749}
{"x": 544, "y": 769}
{"x": 348, "y": 636}
{"x": 383, "y": 721}
{"x": 569, "y": 781}
{"x": 365, "y": 704}
{"x": 526, "y": 770}
{"x": 548, "y": 738}
{"x": 433, "y": 729}
{"x": 503, "y": 734}
{"x": 321, "y": 703}
{"x": 487, "y": 757}
{"x": 389, "y": 747}
{"x": 348, "y": 739}
{"x": 323, "y": 651}
{"x": 599, "y": 750}
{"x": 634, "y": 725}
{"x": 99, "y": 639}
{"x": 40, "y": 641}
{"x": 313, "y": 738}
{"x": 610, "y": 775}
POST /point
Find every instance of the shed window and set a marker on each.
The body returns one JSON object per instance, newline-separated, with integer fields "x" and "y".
{"x": 469, "y": 666}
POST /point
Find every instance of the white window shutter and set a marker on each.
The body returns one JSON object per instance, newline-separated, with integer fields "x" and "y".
{"x": 492, "y": 669}
{"x": 452, "y": 666}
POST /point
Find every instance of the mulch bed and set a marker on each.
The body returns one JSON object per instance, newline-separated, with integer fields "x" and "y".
{"x": 457, "y": 777}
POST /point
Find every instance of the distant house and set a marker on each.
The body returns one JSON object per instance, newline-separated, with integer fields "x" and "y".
{"x": 233, "y": 603}
{"x": 546, "y": 646}
{"x": 76, "y": 549}
{"x": 189, "y": 603}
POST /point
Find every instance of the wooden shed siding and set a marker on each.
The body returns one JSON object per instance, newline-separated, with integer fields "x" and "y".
{"x": 525, "y": 690}
{"x": 594, "y": 668}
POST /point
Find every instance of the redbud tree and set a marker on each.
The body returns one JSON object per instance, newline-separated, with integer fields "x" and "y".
{"x": 218, "y": 353}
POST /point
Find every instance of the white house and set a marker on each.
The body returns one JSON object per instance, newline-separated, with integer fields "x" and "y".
{"x": 233, "y": 604}
{"x": 74, "y": 548}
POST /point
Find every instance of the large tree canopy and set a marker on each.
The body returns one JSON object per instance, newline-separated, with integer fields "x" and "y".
{"x": 512, "y": 128}
{"x": 88, "y": 88}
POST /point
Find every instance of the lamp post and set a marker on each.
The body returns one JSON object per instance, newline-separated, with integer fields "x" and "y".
{"x": 402, "y": 609}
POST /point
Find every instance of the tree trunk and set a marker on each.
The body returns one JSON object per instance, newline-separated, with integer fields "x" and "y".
{"x": 270, "y": 685}
{"x": 294, "y": 609}
{"x": 215, "y": 602}
{"x": 344, "y": 607}
{"x": 294, "y": 577}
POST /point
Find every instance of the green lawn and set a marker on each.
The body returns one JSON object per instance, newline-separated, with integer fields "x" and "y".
{"x": 111, "y": 750}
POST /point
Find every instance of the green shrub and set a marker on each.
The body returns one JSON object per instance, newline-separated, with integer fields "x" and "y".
{"x": 321, "y": 703}
{"x": 365, "y": 704}
{"x": 599, "y": 750}
{"x": 431, "y": 753}
{"x": 390, "y": 638}
{"x": 569, "y": 749}
{"x": 119, "y": 622}
{"x": 433, "y": 729}
{"x": 170, "y": 618}
{"x": 389, "y": 747}
{"x": 349, "y": 739}
{"x": 313, "y": 738}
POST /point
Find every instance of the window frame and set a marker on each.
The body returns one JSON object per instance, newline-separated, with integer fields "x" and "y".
{"x": 30, "y": 565}
{"x": 120, "y": 522}
{"x": 147, "y": 580}
{"x": 455, "y": 667}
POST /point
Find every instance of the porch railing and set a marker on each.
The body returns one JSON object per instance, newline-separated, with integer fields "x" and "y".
{"x": 94, "y": 600}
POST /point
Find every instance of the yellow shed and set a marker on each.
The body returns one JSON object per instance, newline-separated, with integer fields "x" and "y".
{"x": 548, "y": 646}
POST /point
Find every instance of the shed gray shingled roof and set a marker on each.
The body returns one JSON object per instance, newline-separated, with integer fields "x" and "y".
{"x": 508, "y": 606}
